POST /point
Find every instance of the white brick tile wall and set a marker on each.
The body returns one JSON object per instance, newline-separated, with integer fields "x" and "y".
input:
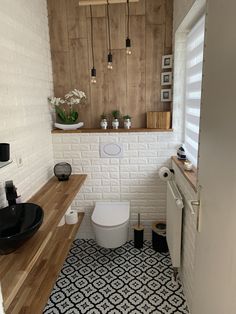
{"x": 26, "y": 82}
{"x": 132, "y": 178}
{"x": 189, "y": 232}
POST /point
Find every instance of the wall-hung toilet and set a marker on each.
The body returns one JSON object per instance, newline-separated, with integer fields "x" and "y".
{"x": 110, "y": 221}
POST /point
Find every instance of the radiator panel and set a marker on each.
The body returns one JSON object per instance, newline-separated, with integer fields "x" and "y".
{"x": 174, "y": 223}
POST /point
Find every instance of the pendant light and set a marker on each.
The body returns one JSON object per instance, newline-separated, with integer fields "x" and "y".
{"x": 93, "y": 70}
{"x": 128, "y": 41}
{"x": 109, "y": 56}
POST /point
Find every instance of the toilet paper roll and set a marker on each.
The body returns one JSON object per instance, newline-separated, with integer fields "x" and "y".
{"x": 71, "y": 217}
{"x": 62, "y": 222}
{"x": 165, "y": 174}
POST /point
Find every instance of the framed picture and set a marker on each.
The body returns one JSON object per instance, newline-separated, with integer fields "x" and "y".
{"x": 167, "y": 62}
{"x": 166, "y": 78}
{"x": 165, "y": 95}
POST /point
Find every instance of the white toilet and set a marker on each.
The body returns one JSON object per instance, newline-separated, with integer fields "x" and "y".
{"x": 110, "y": 222}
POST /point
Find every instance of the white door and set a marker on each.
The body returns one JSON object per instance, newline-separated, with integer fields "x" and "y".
{"x": 215, "y": 276}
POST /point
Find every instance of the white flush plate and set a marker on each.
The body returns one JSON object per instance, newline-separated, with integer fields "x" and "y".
{"x": 111, "y": 150}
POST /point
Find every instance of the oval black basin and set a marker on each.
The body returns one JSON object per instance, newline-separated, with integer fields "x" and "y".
{"x": 17, "y": 224}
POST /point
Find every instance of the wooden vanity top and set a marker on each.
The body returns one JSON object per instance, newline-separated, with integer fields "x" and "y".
{"x": 16, "y": 268}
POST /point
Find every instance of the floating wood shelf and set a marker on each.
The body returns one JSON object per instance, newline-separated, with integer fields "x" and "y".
{"x": 111, "y": 130}
{"x": 28, "y": 274}
{"x": 191, "y": 176}
{"x": 99, "y": 2}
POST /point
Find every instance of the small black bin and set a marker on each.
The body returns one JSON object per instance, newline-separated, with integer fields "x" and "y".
{"x": 159, "y": 243}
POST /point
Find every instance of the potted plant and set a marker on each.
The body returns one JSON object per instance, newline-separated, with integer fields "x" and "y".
{"x": 103, "y": 122}
{"x": 115, "y": 122}
{"x": 127, "y": 121}
{"x": 67, "y": 109}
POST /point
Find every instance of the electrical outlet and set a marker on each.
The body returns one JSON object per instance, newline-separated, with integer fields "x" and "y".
{"x": 19, "y": 161}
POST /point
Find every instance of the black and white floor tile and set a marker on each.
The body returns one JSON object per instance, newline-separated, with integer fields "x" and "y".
{"x": 125, "y": 280}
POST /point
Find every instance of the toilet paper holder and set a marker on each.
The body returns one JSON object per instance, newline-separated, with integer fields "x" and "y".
{"x": 166, "y": 173}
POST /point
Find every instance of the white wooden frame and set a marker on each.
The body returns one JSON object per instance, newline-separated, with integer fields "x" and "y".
{"x": 167, "y": 62}
{"x": 166, "y": 78}
{"x": 166, "y": 95}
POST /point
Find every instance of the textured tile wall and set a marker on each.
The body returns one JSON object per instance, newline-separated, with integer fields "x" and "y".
{"x": 132, "y": 178}
{"x": 25, "y": 84}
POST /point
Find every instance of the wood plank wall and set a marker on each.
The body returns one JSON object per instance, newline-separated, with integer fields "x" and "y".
{"x": 134, "y": 84}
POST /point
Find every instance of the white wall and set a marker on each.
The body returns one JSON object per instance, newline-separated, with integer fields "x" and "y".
{"x": 132, "y": 178}
{"x": 181, "y": 8}
{"x": 25, "y": 84}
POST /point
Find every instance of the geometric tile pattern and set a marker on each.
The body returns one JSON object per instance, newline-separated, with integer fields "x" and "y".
{"x": 125, "y": 280}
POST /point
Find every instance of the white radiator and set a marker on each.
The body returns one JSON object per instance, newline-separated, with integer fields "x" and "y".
{"x": 174, "y": 222}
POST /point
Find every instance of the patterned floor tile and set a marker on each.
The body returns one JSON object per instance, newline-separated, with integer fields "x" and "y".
{"x": 125, "y": 280}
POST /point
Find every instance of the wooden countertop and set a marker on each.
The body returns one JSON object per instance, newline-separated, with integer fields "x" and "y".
{"x": 191, "y": 176}
{"x": 121, "y": 130}
{"x": 54, "y": 197}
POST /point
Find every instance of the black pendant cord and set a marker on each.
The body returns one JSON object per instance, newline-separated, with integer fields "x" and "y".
{"x": 91, "y": 21}
{"x": 128, "y": 19}
{"x": 109, "y": 29}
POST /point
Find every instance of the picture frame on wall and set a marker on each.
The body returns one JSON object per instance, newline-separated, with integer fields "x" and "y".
{"x": 166, "y": 95}
{"x": 166, "y": 78}
{"x": 167, "y": 62}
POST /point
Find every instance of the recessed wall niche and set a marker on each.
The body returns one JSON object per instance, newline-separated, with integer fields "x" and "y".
{"x": 134, "y": 84}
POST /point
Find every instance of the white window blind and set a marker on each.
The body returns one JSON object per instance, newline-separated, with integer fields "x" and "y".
{"x": 194, "y": 61}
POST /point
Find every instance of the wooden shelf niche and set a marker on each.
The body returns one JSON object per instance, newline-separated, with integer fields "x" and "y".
{"x": 134, "y": 84}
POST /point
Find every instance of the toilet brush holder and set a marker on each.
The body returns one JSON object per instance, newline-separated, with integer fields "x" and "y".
{"x": 138, "y": 234}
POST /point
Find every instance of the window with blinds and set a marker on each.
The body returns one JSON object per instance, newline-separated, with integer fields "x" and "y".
{"x": 194, "y": 62}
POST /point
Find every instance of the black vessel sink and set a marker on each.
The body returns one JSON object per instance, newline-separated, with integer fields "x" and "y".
{"x": 18, "y": 223}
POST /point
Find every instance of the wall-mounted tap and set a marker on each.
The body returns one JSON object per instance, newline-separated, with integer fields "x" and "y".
{"x": 11, "y": 193}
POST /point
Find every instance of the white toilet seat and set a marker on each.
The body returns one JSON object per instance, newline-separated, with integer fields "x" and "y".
{"x": 110, "y": 221}
{"x": 110, "y": 214}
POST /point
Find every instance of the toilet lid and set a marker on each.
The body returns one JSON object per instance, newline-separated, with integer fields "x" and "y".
{"x": 110, "y": 214}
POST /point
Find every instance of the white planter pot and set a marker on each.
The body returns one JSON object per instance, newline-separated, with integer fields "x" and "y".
{"x": 127, "y": 124}
{"x": 69, "y": 126}
{"x": 115, "y": 124}
{"x": 103, "y": 124}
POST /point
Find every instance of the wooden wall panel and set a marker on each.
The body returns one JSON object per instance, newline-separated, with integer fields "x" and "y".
{"x": 155, "y": 35}
{"x": 58, "y": 25}
{"x": 99, "y": 91}
{"x": 133, "y": 86}
{"x": 80, "y": 76}
{"x": 138, "y": 8}
{"x": 97, "y": 11}
{"x": 168, "y": 26}
{"x": 61, "y": 73}
{"x": 118, "y": 25}
{"x": 117, "y": 81}
{"x": 155, "y": 12}
{"x": 136, "y": 73}
{"x": 76, "y": 20}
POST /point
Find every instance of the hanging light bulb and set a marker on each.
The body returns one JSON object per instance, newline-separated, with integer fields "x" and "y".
{"x": 93, "y": 76}
{"x": 93, "y": 70}
{"x": 128, "y": 41}
{"x": 109, "y": 61}
{"x": 128, "y": 46}
{"x": 109, "y": 56}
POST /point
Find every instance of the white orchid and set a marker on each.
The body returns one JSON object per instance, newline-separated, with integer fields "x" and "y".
{"x": 68, "y": 114}
{"x": 56, "y": 101}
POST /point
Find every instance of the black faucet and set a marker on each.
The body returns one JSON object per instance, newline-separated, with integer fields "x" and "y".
{"x": 11, "y": 193}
